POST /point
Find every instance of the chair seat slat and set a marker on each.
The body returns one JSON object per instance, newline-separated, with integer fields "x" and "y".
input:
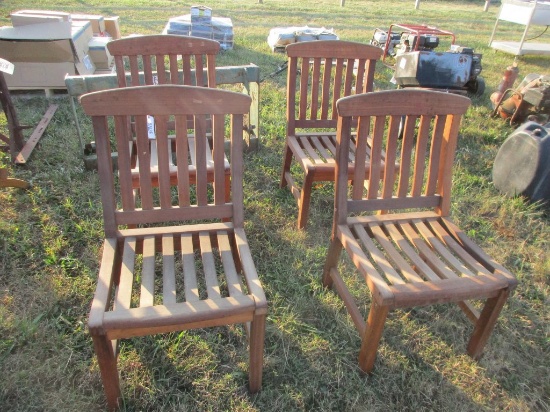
{"x": 124, "y": 291}
{"x": 442, "y": 249}
{"x": 233, "y": 283}
{"x": 209, "y": 266}
{"x": 407, "y": 271}
{"x": 168, "y": 270}
{"x": 189, "y": 272}
{"x": 378, "y": 257}
{"x": 404, "y": 245}
{"x": 148, "y": 272}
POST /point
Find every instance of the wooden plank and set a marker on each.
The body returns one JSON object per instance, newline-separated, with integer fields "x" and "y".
{"x": 191, "y": 288}
{"x": 209, "y": 266}
{"x": 31, "y": 143}
{"x": 407, "y": 271}
{"x": 377, "y": 256}
{"x": 233, "y": 283}
{"x": 168, "y": 270}
{"x": 148, "y": 272}
{"x": 124, "y": 290}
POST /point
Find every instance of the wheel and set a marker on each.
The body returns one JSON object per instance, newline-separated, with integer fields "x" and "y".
{"x": 476, "y": 87}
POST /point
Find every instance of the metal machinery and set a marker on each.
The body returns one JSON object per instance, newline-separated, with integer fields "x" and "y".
{"x": 417, "y": 64}
{"x": 530, "y": 100}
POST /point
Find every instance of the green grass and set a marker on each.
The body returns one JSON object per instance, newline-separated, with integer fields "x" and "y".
{"x": 50, "y": 239}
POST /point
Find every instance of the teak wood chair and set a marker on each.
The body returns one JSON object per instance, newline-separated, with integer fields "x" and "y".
{"x": 319, "y": 73}
{"x": 411, "y": 254}
{"x": 160, "y": 276}
{"x": 167, "y": 59}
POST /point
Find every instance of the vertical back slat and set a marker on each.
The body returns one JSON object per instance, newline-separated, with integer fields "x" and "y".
{"x": 144, "y": 158}
{"x": 173, "y": 64}
{"x": 147, "y": 70}
{"x": 200, "y": 162}
{"x": 420, "y": 156}
{"x": 360, "y": 76}
{"x": 435, "y": 160}
{"x": 304, "y": 77}
{"x": 363, "y": 131}
{"x": 349, "y": 78}
{"x": 161, "y": 69}
{"x": 218, "y": 156}
{"x": 406, "y": 152}
{"x": 134, "y": 70}
{"x": 337, "y": 87}
{"x": 210, "y": 65}
{"x": 199, "y": 70}
{"x": 120, "y": 71}
{"x": 315, "y": 83}
{"x": 369, "y": 81}
{"x": 326, "y": 92}
{"x": 391, "y": 151}
{"x": 182, "y": 154}
{"x": 187, "y": 70}
{"x": 376, "y": 156}
{"x": 123, "y": 142}
{"x": 163, "y": 153}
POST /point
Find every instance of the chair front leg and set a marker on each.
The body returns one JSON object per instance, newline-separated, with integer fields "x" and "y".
{"x": 256, "y": 343}
{"x": 372, "y": 335}
{"x": 486, "y": 323}
{"x": 106, "y": 358}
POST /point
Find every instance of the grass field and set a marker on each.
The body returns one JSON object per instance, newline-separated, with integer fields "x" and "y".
{"x": 50, "y": 238}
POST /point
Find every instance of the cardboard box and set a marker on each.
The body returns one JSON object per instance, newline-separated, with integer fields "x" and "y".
{"x": 43, "y": 54}
{"x": 46, "y": 43}
{"x": 46, "y": 13}
{"x": 99, "y": 53}
{"x": 25, "y": 19}
{"x": 97, "y": 21}
{"x": 112, "y": 27}
{"x": 40, "y": 75}
{"x": 201, "y": 14}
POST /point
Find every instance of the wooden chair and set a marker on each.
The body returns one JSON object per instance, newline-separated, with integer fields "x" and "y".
{"x": 412, "y": 254}
{"x": 167, "y": 59}
{"x": 319, "y": 73}
{"x": 202, "y": 263}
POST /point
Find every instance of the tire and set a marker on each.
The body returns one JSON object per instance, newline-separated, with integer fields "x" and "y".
{"x": 476, "y": 87}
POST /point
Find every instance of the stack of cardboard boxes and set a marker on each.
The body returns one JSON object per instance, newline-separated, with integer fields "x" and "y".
{"x": 45, "y": 46}
{"x": 201, "y": 23}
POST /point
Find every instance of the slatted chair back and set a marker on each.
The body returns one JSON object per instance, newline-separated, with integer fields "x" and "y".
{"x": 418, "y": 130}
{"x": 156, "y": 59}
{"x": 321, "y": 72}
{"x": 177, "y": 197}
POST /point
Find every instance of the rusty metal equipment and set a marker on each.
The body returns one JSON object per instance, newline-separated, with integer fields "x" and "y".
{"x": 529, "y": 101}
